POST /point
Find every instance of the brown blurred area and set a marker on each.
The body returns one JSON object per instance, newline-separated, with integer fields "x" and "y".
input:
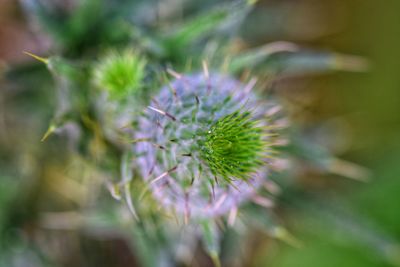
{"x": 17, "y": 34}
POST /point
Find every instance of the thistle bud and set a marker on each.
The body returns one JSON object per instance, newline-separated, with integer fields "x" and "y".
{"x": 118, "y": 77}
{"x": 205, "y": 144}
{"x": 120, "y": 74}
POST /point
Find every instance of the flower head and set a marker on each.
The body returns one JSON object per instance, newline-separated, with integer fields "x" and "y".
{"x": 204, "y": 144}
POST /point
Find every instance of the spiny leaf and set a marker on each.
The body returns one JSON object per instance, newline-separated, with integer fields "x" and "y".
{"x": 197, "y": 28}
{"x": 260, "y": 54}
{"x": 290, "y": 60}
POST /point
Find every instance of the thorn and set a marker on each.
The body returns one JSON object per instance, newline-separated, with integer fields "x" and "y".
{"x": 52, "y": 128}
{"x": 262, "y": 201}
{"x": 155, "y": 101}
{"x": 350, "y": 63}
{"x": 170, "y": 116}
{"x": 281, "y": 233}
{"x": 162, "y": 113}
{"x": 173, "y": 90}
{"x": 225, "y": 65}
{"x": 279, "y": 164}
{"x": 164, "y": 174}
{"x": 281, "y": 123}
{"x": 220, "y": 201}
{"x": 280, "y": 142}
{"x": 205, "y": 69}
{"x": 349, "y": 170}
{"x": 234, "y": 186}
{"x": 140, "y": 140}
{"x": 174, "y": 93}
{"x": 252, "y": 2}
{"x": 158, "y": 146}
{"x": 272, "y": 187}
{"x": 206, "y": 76}
{"x": 159, "y": 177}
{"x": 215, "y": 259}
{"x": 173, "y": 169}
{"x": 41, "y": 59}
{"x": 187, "y": 155}
{"x": 158, "y": 110}
{"x": 273, "y": 110}
{"x": 250, "y": 85}
{"x": 152, "y": 169}
{"x": 114, "y": 190}
{"x": 280, "y": 46}
{"x": 159, "y": 124}
{"x": 174, "y": 74}
{"x": 232, "y": 216}
{"x": 216, "y": 180}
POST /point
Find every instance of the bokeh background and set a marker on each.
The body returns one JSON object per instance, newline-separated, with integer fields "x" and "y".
{"x": 335, "y": 221}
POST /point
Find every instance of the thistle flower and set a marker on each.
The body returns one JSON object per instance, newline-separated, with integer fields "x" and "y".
{"x": 205, "y": 144}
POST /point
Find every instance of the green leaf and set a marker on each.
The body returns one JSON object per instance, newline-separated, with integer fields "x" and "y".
{"x": 196, "y": 28}
{"x": 258, "y": 55}
{"x": 287, "y": 58}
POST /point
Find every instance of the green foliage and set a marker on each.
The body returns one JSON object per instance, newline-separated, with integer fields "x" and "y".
{"x": 73, "y": 29}
{"x": 120, "y": 73}
{"x": 181, "y": 41}
{"x": 197, "y": 28}
{"x": 233, "y": 146}
{"x": 288, "y": 58}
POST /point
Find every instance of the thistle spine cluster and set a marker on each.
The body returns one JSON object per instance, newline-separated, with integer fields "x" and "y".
{"x": 233, "y": 146}
{"x": 204, "y": 145}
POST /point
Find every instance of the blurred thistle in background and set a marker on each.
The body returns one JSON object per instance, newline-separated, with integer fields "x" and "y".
{"x": 104, "y": 84}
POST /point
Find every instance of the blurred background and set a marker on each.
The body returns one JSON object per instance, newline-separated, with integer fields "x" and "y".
{"x": 335, "y": 221}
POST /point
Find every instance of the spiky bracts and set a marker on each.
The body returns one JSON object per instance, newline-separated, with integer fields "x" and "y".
{"x": 233, "y": 146}
{"x": 205, "y": 144}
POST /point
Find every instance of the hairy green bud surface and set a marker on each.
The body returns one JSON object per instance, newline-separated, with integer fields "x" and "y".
{"x": 119, "y": 73}
{"x": 233, "y": 146}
